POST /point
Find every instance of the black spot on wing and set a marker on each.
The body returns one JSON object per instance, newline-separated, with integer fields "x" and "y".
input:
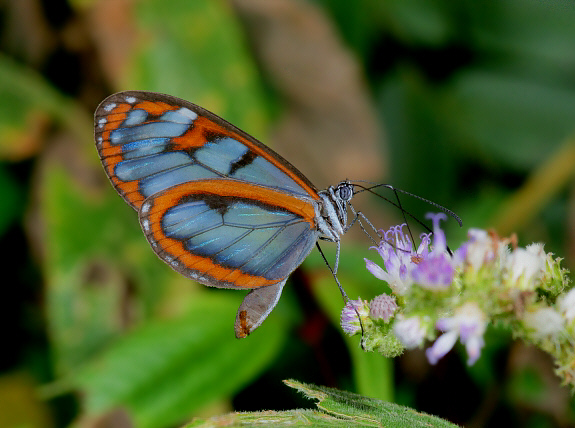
{"x": 217, "y": 203}
{"x": 214, "y": 202}
{"x": 210, "y": 135}
{"x": 245, "y": 160}
{"x": 221, "y": 204}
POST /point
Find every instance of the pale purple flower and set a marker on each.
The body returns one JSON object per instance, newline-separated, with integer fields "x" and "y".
{"x": 349, "y": 320}
{"x": 404, "y": 266}
{"x": 398, "y": 254}
{"x": 468, "y": 324}
{"x": 436, "y": 270}
{"x": 459, "y": 256}
{"x": 382, "y": 307}
{"x": 442, "y": 345}
{"x": 410, "y": 331}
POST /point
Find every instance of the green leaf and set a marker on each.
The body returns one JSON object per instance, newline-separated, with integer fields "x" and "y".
{"x": 410, "y": 107}
{"x": 418, "y": 22}
{"x": 336, "y": 408}
{"x": 530, "y": 34}
{"x": 413, "y": 22}
{"x": 515, "y": 119}
{"x": 360, "y": 409}
{"x": 292, "y": 418}
{"x": 166, "y": 370}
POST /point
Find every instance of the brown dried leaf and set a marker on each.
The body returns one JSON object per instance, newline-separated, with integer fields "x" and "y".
{"x": 112, "y": 27}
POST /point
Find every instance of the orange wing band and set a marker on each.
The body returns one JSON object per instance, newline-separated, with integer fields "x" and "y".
{"x": 225, "y": 188}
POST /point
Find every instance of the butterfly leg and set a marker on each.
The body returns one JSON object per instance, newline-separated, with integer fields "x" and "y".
{"x": 255, "y": 308}
{"x": 341, "y": 290}
{"x": 337, "y": 251}
{"x": 359, "y": 216}
{"x": 334, "y": 269}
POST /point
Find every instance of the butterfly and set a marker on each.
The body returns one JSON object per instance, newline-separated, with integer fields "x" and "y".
{"x": 216, "y": 204}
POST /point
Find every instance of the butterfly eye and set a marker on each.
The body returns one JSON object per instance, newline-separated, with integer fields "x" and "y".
{"x": 344, "y": 191}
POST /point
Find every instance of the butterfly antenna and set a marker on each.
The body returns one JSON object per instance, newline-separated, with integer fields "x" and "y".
{"x": 404, "y": 212}
{"x": 342, "y": 291}
{"x": 405, "y": 192}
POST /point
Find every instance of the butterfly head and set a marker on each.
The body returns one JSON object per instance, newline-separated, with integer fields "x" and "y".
{"x": 333, "y": 220}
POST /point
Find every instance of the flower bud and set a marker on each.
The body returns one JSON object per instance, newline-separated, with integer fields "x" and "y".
{"x": 349, "y": 321}
{"x": 382, "y": 307}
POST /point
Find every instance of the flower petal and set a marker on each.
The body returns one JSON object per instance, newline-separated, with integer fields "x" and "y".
{"x": 473, "y": 347}
{"x": 439, "y": 241}
{"x": 409, "y": 331}
{"x": 442, "y": 346}
{"x": 376, "y": 270}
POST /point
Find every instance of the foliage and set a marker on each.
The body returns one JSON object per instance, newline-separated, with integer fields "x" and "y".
{"x": 335, "y": 408}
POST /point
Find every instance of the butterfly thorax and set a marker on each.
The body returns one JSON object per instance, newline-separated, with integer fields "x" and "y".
{"x": 332, "y": 221}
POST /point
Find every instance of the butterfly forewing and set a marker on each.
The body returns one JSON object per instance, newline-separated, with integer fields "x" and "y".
{"x": 149, "y": 142}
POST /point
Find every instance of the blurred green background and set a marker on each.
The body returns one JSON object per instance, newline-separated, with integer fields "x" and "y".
{"x": 470, "y": 104}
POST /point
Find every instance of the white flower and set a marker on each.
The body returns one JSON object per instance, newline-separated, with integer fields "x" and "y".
{"x": 537, "y": 250}
{"x": 566, "y": 304}
{"x": 479, "y": 248}
{"x": 544, "y": 322}
{"x": 526, "y": 266}
{"x": 482, "y": 248}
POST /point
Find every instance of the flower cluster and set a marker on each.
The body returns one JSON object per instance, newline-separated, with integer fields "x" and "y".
{"x": 445, "y": 297}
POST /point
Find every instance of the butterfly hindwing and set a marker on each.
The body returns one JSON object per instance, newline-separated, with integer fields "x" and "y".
{"x": 228, "y": 235}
